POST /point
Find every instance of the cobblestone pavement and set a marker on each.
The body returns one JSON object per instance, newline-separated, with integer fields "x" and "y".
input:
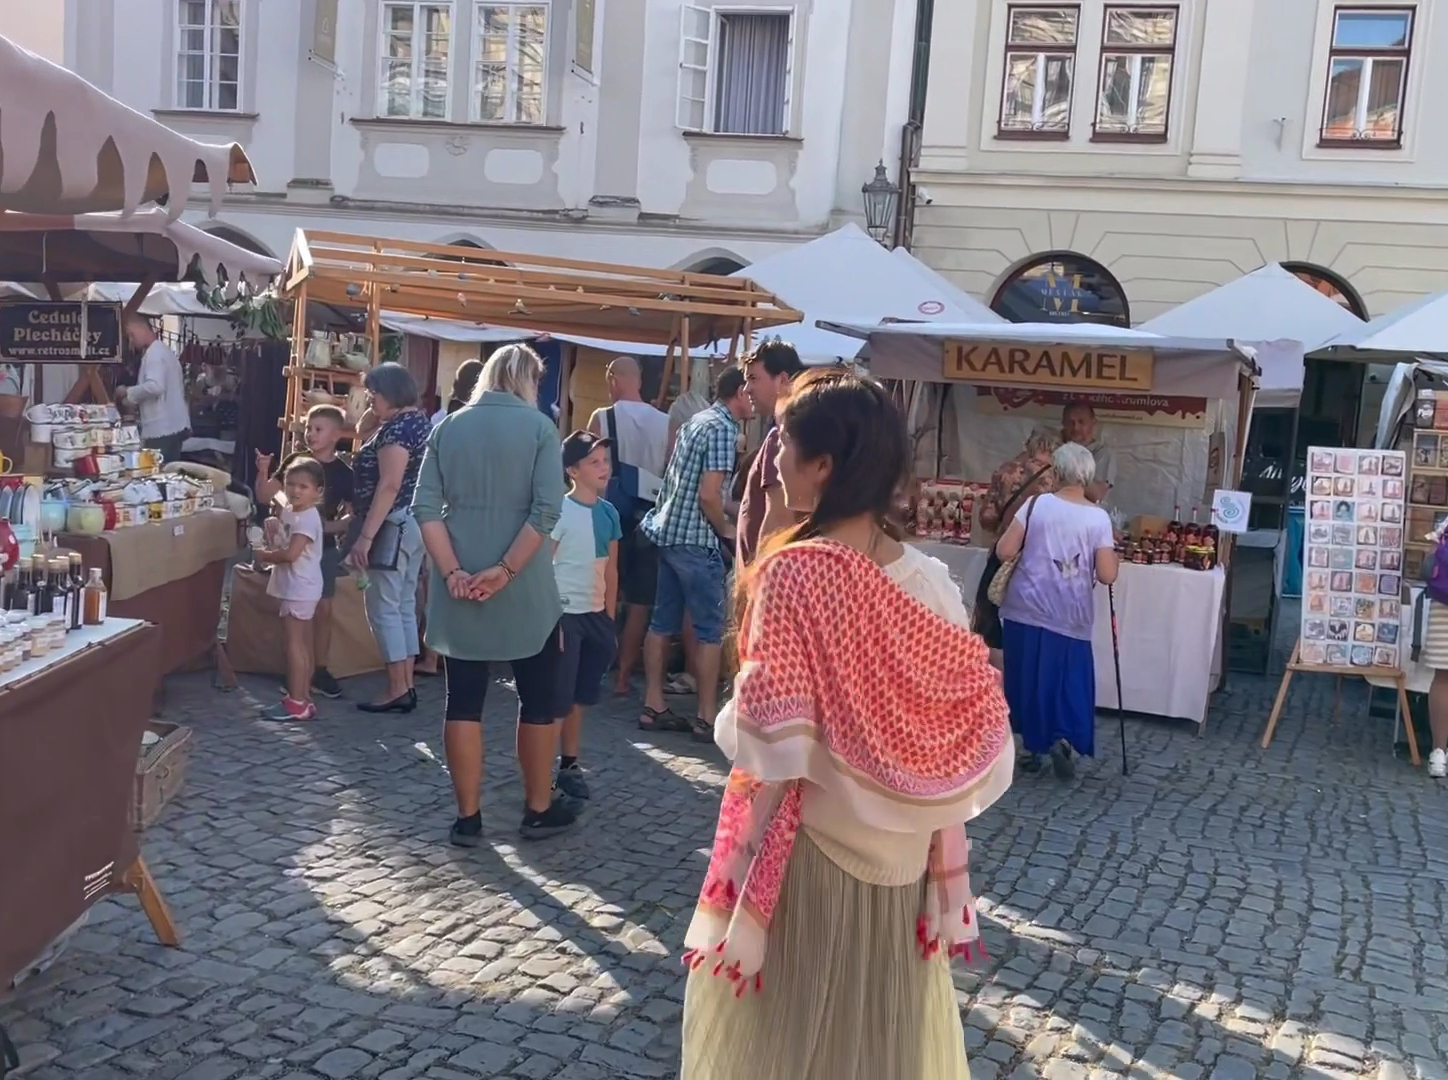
{"x": 1220, "y": 913}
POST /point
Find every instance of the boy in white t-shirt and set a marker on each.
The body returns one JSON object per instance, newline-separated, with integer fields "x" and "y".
{"x": 585, "y": 562}
{"x": 293, "y": 547}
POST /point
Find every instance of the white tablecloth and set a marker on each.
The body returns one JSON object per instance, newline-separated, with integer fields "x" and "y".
{"x": 1169, "y": 620}
{"x": 75, "y": 641}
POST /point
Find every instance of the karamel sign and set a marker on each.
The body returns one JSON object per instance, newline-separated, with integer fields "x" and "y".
{"x": 1059, "y": 366}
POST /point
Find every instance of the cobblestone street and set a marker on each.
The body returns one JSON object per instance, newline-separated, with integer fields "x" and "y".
{"x": 1220, "y": 913}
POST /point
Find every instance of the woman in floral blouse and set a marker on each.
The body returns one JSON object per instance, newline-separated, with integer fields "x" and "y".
{"x": 1028, "y": 473}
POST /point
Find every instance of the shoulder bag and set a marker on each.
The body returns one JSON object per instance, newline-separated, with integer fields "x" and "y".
{"x": 1002, "y": 579}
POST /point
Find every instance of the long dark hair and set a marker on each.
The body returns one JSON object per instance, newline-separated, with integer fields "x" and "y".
{"x": 852, "y": 420}
{"x": 464, "y": 380}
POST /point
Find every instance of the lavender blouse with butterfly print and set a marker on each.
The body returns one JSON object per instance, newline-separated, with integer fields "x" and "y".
{"x": 1054, "y": 583}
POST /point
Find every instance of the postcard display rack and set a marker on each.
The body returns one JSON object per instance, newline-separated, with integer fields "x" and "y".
{"x": 1352, "y": 573}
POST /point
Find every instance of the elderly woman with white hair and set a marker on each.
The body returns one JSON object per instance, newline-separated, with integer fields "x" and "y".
{"x": 1065, "y": 546}
{"x": 490, "y": 493}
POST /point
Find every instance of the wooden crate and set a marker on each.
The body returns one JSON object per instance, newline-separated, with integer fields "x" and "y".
{"x": 160, "y": 772}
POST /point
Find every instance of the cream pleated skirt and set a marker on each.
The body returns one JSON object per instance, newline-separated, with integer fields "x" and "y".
{"x": 1434, "y": 653}
{"x": 846, "y": 994}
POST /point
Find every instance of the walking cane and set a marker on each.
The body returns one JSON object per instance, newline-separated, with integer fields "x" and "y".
{"x": 1116, "y": 656}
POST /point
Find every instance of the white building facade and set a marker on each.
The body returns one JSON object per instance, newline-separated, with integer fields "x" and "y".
{"x": 1115, "y": 159}
{"x": 655, "y": 132}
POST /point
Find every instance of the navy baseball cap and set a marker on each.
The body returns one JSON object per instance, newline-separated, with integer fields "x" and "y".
{"x": 579, "y": 445}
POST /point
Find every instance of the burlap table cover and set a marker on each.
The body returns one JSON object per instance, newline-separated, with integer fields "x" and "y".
{"x": 253, "y": 629}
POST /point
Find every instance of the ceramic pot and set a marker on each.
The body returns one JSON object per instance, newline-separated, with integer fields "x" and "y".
{"x": 88, "y": 519}
{"x": 53, "y": 516}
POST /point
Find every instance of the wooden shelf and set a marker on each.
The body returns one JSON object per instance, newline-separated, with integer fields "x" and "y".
{"x": 1426, "y": 470}
{"x": 1429, "y": 506}
{"x": 335, "y": 374}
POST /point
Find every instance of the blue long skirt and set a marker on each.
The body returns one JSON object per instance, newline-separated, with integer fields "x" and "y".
{"x": 1050, "y": 686}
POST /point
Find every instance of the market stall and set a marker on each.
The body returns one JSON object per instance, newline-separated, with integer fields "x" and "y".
{"x": 74, "y": 704}
{"x": 1169, "y": 602}
{"x": 169, "y": 572}
{"x": 71, "y": 723}
{"x": 524, "y": 292}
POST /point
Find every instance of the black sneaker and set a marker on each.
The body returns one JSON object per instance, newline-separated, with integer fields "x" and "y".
{"x": 558, "y": 818}
{"x": 570, "y": 781}
{"x": 466, "y": 832}
{"x": 326, "y": 684}
{"x": 1061, "y": 760}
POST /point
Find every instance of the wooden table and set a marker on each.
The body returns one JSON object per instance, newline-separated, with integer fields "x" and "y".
{"x": 70, "y": 735}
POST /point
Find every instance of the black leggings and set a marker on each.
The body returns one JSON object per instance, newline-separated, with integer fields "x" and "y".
{"x": 535, "y": 677}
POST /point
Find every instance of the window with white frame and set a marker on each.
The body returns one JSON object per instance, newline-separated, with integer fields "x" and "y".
{"x": 1138, "y": 45}
{"x": 416, "y": 51}
{"x": 1040, "y": 65}
{"x": 736, "y": 70}
{"x": 208, "y": 55}
{"x": 512, "y": 51}
{"x": 1367, "y": 76}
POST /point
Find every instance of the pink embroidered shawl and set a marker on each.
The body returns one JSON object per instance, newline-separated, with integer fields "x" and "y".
{"x": 849, "y": 683}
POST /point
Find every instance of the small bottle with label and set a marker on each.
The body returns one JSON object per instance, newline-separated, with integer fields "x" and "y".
{"x": 63, "y": 597}
{"x": 95, "y": 598}
{"x": 77, "y": 591}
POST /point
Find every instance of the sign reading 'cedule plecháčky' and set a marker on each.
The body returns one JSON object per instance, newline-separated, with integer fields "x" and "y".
{"x": 51, "y": 332}
{"x": 1106, "y": 370}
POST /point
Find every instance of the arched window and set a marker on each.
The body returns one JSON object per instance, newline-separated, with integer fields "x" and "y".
{"x": 1060, "y": 286}
{"x": 719, "y": 264}
{"x": 1330, "y": 285}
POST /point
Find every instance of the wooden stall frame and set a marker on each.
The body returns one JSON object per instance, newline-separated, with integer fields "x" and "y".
{"x": 544, "y": 294}
{"x": 1295, "y": 665}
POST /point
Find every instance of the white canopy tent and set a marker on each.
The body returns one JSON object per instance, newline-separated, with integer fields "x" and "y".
{"x": 845, "y": 275}
{"x": 842, "y": 275}
{"x": 1419, "y": 328}
{"x": 1279, "y": 315}
{"x": 1158, "y": 466}
{"x": 450, "y": 329}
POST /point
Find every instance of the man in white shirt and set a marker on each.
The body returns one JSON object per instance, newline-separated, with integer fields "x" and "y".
{"x": 1078, "y": 425}
{"x": 160, "y": 391}
{"x": 640, "y": 435}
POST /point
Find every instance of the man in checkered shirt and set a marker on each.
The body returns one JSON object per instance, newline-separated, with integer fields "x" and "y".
{"x": 685, "y": 525}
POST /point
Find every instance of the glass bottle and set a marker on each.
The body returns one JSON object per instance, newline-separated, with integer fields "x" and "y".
{"x": 77, "y": 588}
{"x": 1174, "y": 530}
{"x": 95, "y": 598}
{"x": 19, "y": 599}
{"x": 42, "y": 598}
{"x": 64, "y": 600}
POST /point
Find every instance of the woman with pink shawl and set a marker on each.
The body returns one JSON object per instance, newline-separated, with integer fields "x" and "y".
{"x": 867, "y": 726}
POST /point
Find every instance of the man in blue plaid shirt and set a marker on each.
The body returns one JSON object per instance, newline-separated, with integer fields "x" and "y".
{"x": 685, "y": 525}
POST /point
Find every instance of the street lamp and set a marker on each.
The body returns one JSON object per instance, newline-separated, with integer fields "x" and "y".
{"x": 881, "y": 196}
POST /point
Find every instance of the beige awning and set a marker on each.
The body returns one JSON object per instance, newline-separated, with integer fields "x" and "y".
{"x": 146, "y": 245}
{"x": 68, "y": 148}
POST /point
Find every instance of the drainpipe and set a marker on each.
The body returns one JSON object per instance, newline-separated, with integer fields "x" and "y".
{"x": 911, "y": 132}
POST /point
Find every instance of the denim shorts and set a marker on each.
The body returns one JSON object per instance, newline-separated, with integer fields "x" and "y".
{"x": 691, "y": 579}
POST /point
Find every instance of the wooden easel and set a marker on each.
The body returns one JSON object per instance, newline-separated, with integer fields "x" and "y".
{"x": 1295, "y": 665}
